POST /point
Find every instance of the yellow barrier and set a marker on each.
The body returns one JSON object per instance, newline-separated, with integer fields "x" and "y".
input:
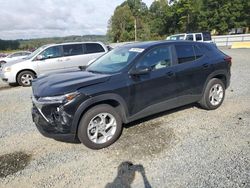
{"x": 240, "y": 45}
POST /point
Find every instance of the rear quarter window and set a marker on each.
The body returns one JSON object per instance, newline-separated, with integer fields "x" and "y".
{"x": 185, "y": 53}
{"x": 198, "y": 52}
{"x": 93, "y": 48}
{"x": 206, "y": 36}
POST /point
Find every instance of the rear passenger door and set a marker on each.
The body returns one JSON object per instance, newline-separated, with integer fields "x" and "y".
{"x": 76, "y": 55}
{"x": 73, "y": 55}
{"x": 192, "y": 69}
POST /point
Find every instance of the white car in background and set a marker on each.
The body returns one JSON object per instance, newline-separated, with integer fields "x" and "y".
{"x": 199, "y": 37}
{"x": 51, "y": 58}
{"x": 14, "y": 56}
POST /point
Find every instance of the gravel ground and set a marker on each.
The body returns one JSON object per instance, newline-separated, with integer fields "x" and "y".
{"x": 185, "y": 147}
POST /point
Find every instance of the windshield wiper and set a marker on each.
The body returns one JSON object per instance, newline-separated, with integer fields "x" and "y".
{"x": 97, "y": 72}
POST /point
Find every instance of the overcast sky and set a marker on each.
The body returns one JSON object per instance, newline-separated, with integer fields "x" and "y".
{"x": 24, "y": 19}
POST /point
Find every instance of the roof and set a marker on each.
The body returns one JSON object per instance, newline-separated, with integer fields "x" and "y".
{"x": 83, "y": 42}
{"x": 148, "y": 44}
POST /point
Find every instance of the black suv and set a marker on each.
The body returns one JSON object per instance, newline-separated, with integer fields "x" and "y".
{"x": 126, "y": 84}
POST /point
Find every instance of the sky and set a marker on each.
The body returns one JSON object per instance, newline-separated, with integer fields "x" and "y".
{"x": 25, "y": 19}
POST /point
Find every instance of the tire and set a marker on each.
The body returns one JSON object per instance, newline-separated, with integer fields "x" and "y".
{"x": 90, "y": 129}
{"x": 214, "y": 94}
{"x": 24, "y": 78}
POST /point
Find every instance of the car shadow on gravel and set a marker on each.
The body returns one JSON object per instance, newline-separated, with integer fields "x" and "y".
{"x": 147, "y": 137}
{"x": 7, "y": 87}
{"x": 161, "y": 114}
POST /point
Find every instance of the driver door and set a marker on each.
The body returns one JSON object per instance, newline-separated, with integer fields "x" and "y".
{"x": 157, "y": 86}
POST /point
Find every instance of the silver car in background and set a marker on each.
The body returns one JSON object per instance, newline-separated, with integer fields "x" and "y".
{"x": 51, "y": 58}
{"x": 14, "y": 56}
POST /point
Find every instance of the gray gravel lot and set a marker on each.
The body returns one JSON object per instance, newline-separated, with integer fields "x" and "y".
{"x": 185, "y": 147}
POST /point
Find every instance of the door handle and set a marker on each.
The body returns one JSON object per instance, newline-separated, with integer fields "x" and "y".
{"x": 205, "y": 66}
{"x": 67, "y": 59}
{"x": 170, "y": 74}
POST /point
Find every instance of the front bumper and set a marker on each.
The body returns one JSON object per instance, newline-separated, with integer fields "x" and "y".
{"x": 49, "y": 130}
{"x": 53, "y": 121}
{"x": 7, "y": 77}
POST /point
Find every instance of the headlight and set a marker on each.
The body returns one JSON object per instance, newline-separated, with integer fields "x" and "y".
{"x": 59, "y": 99}
{"x": 7, "y": 69}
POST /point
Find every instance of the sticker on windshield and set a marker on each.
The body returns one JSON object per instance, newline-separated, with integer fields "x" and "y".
{"x": 138, "y": 50}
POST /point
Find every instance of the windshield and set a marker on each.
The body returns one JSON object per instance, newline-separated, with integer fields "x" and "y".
{"x": 35, "y": 52}
{"x": 177, "y": 37}
{"x": 115, "y": 60}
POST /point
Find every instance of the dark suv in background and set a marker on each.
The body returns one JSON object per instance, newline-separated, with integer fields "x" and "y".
{"x": 126, "y": 84}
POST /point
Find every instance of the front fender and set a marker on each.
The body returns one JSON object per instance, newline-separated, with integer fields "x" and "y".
{"x": 95, "y": 100}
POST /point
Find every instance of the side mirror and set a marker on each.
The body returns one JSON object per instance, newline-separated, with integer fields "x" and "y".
{"x": 83, "y": 68}
{"x": 40, "y": 57}
{"x": 140, "y": 70}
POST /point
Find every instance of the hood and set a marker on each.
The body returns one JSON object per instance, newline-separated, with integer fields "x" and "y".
{"x": 65, "y": 82}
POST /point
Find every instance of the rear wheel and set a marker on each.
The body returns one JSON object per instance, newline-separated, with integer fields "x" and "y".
{"x": 214, "y": 94}
{"x": 100, "y": 127}
{"x": 25, "y": 78}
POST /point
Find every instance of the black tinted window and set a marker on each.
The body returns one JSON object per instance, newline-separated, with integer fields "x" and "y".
{"x": 198, "y": 52}
{"x": 93, "y": 48}
{"x": 25, "y": 53}
{"x": 185, "y": 53}
{"x": 72, "y": 49}
{"x": 190, "y": 37}
{"x": 198, "y": 37}
{"x": 157, "y": 58}
{"x": 52, "y": 52}
{"x": 207, "y": 36}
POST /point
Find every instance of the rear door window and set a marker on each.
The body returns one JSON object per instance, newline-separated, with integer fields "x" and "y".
{"x": 93, "y": 48}
{"x": 185, "y": 53}
{"x": 72, "y": 49}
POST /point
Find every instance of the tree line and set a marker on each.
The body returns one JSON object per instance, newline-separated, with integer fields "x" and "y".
{"x": 9, "y": 44}
{"x": 134, "y": 20}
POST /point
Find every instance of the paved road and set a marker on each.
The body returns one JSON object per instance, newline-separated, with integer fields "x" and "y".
{"x": 185, "y": 147}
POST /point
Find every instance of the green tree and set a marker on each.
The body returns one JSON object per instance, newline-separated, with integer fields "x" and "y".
{"x": 121, "y": 25}
{"x": 160, "y": 15}
{"x": 223, "y": 15}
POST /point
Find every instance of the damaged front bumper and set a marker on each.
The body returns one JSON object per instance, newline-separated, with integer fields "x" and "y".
{"x": 54, "y": 120}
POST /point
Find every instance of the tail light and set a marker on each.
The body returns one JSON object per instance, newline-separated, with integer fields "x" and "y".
{"x": 228, "y": 59}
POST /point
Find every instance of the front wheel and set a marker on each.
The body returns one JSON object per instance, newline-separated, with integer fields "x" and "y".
{"x": 100, "y": 127}
{"x": 25, "y": 78}
{"x": 214, "y": 94}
